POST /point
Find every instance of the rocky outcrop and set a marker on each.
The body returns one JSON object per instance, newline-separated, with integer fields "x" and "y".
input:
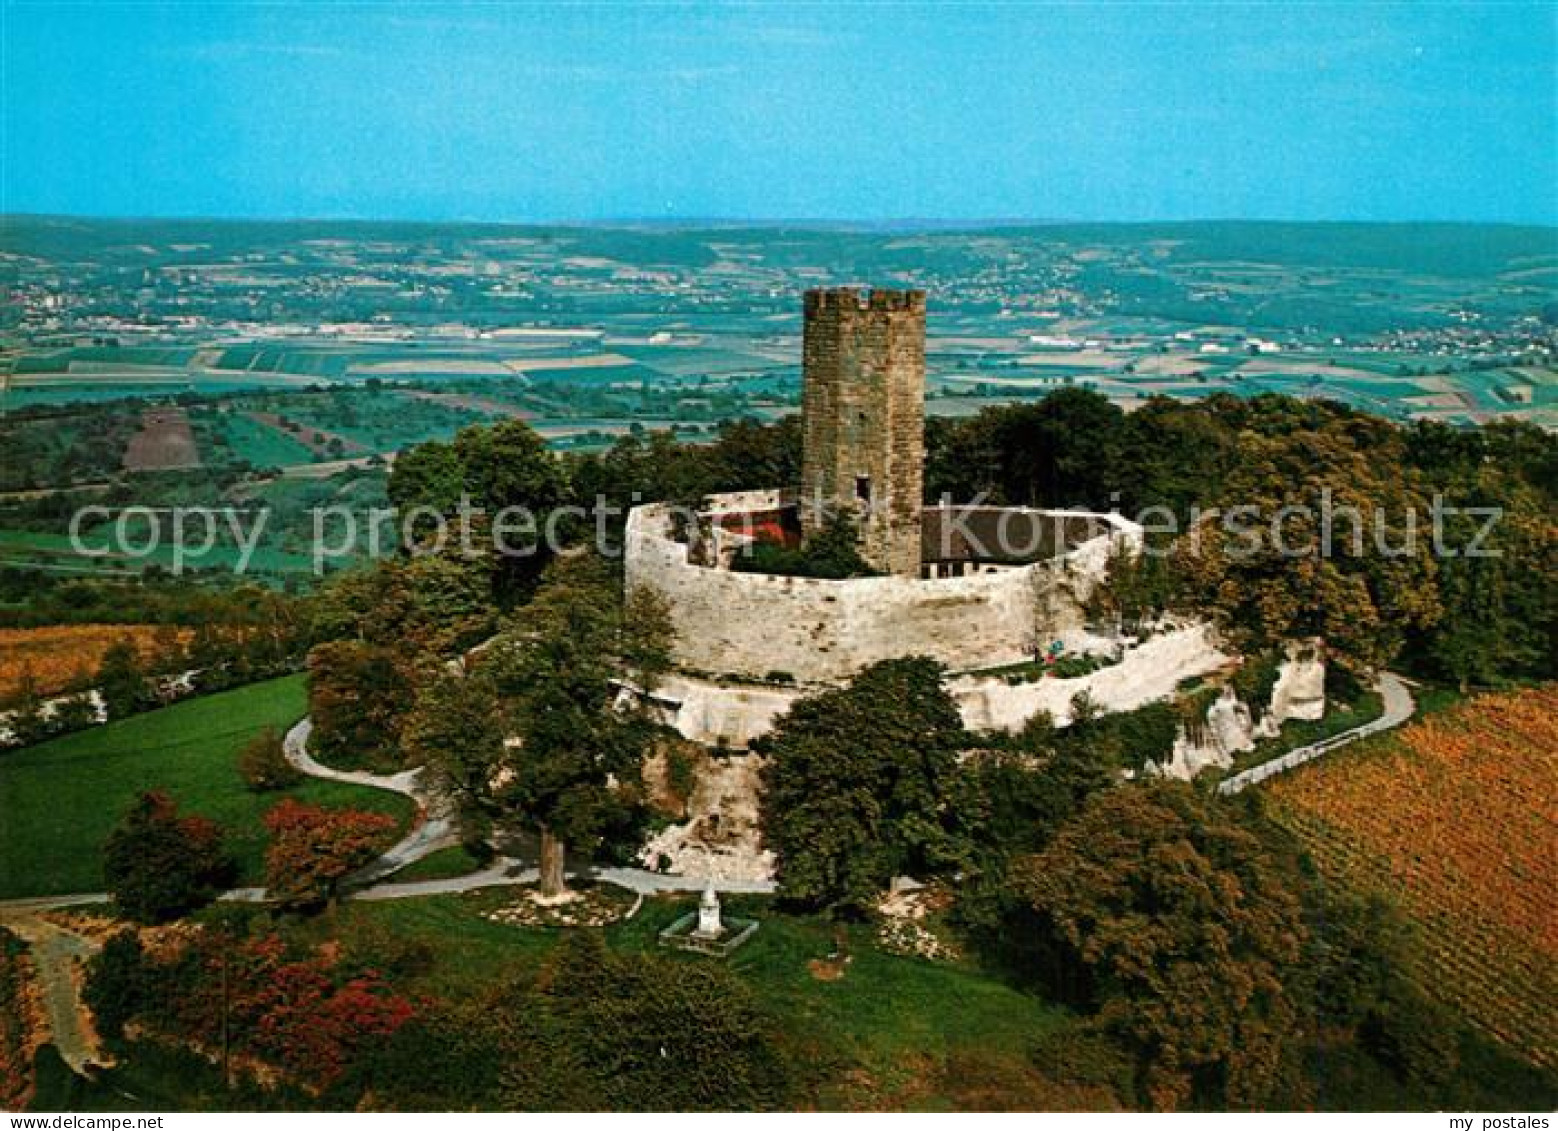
{"x": 1299, "y": 692}
{"x": 721, "y": 838}
{"x": 1232, "y": 728}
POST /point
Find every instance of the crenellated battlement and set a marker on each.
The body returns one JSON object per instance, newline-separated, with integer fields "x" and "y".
{"x": 851, "y": 299}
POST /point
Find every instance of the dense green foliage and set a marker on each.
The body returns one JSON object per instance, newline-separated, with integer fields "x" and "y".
{"x": 550, "y": 681}
{"x": 160, "y": 866}
{"x": 1226, "y": 487}
{"x": 121, "y": 683}
{"x": 358, "y": 694}
{"x": 1184, "y": 926}
{"x": 832, "y": 552}
{"x": 595, "y": 1029}
{"x": 856, "y": 789}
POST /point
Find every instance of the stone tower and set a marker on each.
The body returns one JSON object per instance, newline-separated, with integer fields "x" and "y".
{"x": 863, "y": 419}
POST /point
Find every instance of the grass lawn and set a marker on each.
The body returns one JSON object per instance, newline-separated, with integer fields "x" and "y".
{"x": 440, "y": 865}
{"x": 891, "y": 1024}
{"x": 60, "y": 799}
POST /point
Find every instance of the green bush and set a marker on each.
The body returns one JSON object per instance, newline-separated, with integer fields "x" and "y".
{"x": 264, "y": 766}
{"x": 832, "y": 553}
{"x": 116, "y": 987}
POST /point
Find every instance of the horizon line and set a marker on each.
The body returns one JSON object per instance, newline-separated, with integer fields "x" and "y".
{"x": 903, "y": 223}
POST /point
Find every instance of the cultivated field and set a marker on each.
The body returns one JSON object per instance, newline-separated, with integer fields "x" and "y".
{"x": 1456, "y": 816}
{"x": 165, "y": 442}
{"x": 61, "y": 657}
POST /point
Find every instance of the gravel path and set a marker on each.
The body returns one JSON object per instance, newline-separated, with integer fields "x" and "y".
{"x": 55, "y": 953}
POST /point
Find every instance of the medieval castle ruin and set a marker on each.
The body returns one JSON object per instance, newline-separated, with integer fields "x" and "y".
{"x": 987, "y": 591}
{"x": 976, "y": 588}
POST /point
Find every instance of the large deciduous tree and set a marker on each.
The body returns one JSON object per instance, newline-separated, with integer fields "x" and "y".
{"x": 313, "y": 849}
{"x": 1319, "y": 532}
{"x": 433, "y": 603}
{"x": 358, "y": 694}
{"x": 556, "y": 679}
{"x": 427, "y": 476}
{"x": 492, "y": 469}
{"x": 1186, "y": 927}
{"x": 160, "y": 865}
{"x": 857, "y": 785}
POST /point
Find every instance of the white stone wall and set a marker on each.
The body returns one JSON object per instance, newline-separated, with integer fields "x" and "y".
{"x": 717, "y": 715}
{"x": 1147, "y": 673}
{"x": 713, "y": 714}
{"x": 820, "y": 631}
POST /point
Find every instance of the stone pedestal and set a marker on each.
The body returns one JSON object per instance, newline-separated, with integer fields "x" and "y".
{"x": 709, "y": 924}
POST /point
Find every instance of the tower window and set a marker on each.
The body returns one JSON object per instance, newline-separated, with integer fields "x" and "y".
{"x": 863, "y": 488}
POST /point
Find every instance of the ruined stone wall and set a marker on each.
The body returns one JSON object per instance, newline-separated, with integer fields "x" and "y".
{"x": 863, "y": 418}
{"x": 711, "y": 713}
{"x": 1149, "y": 672}
{"x": 818, "y": 631}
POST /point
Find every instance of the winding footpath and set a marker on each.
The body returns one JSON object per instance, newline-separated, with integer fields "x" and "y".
{"x": 433, "y": 828}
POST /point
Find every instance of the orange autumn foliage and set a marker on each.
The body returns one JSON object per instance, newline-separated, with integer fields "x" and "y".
{"x": 313, "y": 848}
{"x": 1456, "y": 817}
{"x": 63, "y": 657}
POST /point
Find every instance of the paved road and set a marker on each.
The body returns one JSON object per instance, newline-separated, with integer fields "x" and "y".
{"x": 1399, "y": 707}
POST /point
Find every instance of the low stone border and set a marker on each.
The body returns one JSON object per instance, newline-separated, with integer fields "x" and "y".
{"x": 1398, "y": 708}
{"x": 680, "y": 935}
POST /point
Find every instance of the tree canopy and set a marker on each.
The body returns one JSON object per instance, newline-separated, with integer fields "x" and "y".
{"x": 160, "y": 865}
{"x": 858, "y": 783}
{"x": 1186, "y": 926}
{"x": 565, "y": 680}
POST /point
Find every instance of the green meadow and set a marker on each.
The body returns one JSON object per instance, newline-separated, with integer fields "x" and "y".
{"x": 59, "y": 800}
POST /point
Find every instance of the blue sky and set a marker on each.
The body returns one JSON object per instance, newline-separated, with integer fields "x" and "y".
{"x": 512, "y": 111}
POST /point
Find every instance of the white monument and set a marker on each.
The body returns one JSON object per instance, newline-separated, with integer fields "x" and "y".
{"x": 709, "y": 925}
